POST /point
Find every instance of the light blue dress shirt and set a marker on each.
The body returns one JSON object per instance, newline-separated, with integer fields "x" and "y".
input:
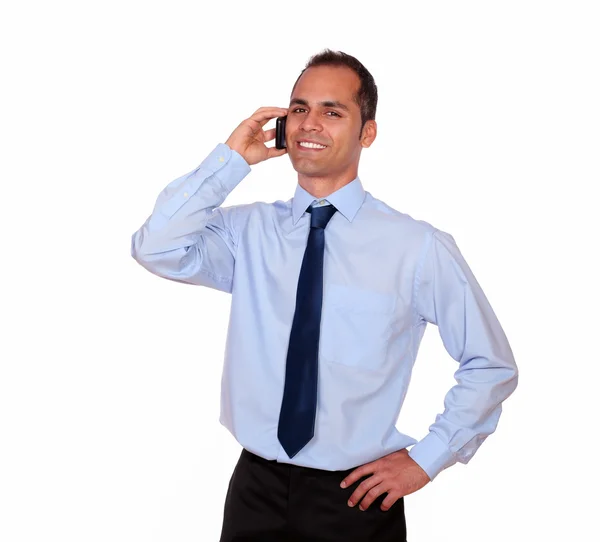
{"x": 385, "y": 276}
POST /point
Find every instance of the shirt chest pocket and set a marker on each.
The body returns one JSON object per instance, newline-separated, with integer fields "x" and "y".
{"x": 356, "y": 326}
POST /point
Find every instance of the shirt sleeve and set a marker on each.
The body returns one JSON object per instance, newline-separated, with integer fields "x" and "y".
{"x": 188, "y": 237}
{"x": 448, "y": 296}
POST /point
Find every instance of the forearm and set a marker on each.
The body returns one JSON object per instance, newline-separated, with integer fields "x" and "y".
{"x": 472, "y": 409}
{"x": 184, "y": 226}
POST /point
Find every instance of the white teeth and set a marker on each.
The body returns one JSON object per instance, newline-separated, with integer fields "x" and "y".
{"x": 311, "y": 145}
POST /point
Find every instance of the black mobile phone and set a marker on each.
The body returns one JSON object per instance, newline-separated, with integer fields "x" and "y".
{"x": 280, "y": 133}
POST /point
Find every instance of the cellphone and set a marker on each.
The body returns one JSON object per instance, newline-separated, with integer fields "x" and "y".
{"x": 280, "y": 133}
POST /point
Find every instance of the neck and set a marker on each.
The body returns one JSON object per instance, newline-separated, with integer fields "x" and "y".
{"x": 321, "y": 187}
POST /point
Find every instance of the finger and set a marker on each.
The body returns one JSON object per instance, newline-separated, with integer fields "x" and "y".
{"x": 265, "y": 114}
{"x": 389, "y": 501}
{"x": 363, "y": 488}
{"x": 357, "y": 474}
{"x": 273, "y": 152}
{"x": 268, "y": 109}
{"x": 371, "y": 495}
{"x": 270, "y": 134}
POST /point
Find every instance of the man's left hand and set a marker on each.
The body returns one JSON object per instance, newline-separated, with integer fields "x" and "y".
{"x": 396, "y": 474}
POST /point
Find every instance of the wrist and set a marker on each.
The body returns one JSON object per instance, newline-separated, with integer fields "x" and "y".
{"x": 231, "y": 144}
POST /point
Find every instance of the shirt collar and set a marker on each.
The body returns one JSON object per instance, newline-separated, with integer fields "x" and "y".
{"x": 347, "y": 200}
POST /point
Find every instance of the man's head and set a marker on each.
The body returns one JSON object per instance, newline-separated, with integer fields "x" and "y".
{"x": 333, "y": 103}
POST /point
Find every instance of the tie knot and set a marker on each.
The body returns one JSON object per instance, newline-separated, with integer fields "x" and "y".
{"x": 321, "y": 215}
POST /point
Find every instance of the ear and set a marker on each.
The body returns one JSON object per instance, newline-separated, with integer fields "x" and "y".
{"x": 369, "y": 133}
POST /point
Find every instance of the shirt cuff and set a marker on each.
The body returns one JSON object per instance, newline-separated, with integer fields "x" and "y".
{"x": 229, "y": 166}
{"x": 219, "y": 173}
{"x": 432, "y": 455}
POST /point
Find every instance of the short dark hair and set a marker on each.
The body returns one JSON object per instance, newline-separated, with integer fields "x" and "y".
{"x": 366, "y": 97}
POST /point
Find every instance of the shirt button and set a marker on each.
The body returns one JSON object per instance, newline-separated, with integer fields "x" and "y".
{"x": 185, "y": 194}
{"x": 221, "y": 159}
{"x": 322, "y": 202}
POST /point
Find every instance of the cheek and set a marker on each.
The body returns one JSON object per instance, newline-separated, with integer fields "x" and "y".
{"x": 291, "y": 124}
{"x": 343, "y": 137}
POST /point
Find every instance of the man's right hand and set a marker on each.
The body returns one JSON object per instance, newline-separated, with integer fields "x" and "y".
{"x": 249, "y": 138}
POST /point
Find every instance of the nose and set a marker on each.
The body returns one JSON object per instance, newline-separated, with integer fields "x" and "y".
{"x": 311, "y": 123}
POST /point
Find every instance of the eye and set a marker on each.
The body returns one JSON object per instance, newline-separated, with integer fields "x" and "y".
{"x": 297, "y": 108}
{"x": 334, "y": 113}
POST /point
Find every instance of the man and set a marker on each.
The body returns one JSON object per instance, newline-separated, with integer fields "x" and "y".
{"x": 331, "y": 294}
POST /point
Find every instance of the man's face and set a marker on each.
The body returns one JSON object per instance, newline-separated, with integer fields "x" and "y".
{"x": 322, "y": 110}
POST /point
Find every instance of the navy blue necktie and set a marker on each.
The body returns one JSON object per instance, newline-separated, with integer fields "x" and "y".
{"x": 299, "y": 405}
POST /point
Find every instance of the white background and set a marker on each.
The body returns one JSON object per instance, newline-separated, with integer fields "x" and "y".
{"x": 109, "y": 383}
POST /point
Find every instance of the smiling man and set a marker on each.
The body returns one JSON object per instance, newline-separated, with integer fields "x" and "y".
{"x": 331, "y": 293}
{"x": 326, "y": 137}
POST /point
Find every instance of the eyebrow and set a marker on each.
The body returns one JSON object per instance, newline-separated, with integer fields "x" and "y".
{"x": 326, "y": 103}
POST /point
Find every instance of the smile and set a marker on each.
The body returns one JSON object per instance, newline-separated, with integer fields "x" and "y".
{"x": 305, "y": 146}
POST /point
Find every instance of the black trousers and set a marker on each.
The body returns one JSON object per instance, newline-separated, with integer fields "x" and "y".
{"x": 269, "y": 501}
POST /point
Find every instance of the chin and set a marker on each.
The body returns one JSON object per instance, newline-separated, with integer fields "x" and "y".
{"x": 306, "y": 167}
{"x": 307, "y": 170}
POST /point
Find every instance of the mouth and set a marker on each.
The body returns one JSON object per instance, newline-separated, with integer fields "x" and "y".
{"x": 310, "y": 147}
